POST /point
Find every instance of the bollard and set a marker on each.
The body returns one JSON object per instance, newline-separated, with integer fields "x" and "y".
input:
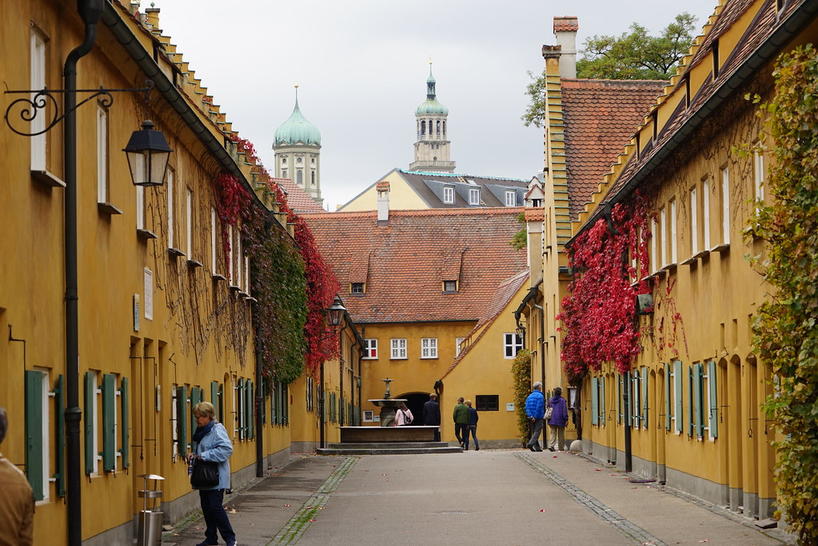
{"x": 149, "y": 519}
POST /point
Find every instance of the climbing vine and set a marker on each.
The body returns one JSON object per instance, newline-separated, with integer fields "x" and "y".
{"x": 521, "y": 372}
{"x": 785, "y": 331}
{"x": 599, "y": 321}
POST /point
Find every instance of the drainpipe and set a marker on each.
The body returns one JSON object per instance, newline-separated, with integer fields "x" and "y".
{"x": 90, "y": 11}
{"x": 259, "y": 412}
{"x": 341, "y": 411}
{"x": 321, "y": 396}
{"x": 626, "y": 403}
{"x": 542, "y": 342}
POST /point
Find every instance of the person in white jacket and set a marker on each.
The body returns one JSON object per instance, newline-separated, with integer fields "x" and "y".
{"x": 403, "y": 416}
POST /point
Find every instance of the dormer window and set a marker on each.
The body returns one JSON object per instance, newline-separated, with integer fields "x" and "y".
{"x": 358, "y": 288}
{"x": 536, "y": 203}
{"x": 511, "y": 199}
{"x": 474, "y": 196}
{"x": 448, "y": 195}
{"x": 449, "y": 286}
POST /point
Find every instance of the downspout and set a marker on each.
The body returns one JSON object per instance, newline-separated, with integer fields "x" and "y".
{"x": 90, "y": 11}
{"x": 259, "y": 412}
{"x": 321, "y": 395}
{"x": 341, "y": 410}
{"x": 542, "y": 342}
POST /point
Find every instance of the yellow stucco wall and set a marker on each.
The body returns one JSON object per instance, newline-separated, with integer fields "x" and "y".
{"x": 401, "y": 196}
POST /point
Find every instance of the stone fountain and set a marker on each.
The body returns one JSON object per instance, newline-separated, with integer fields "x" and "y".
{"x": 388, "y": 405}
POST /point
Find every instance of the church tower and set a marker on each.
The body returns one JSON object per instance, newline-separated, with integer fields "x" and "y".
{"x": 297, "y": 147}
{"x": 432, "y": 145}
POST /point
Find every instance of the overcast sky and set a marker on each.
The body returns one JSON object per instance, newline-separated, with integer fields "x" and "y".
{"x": 362, "y": 67}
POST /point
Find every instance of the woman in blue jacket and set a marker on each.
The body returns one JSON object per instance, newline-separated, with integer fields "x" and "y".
{"x": 213, "y": 444}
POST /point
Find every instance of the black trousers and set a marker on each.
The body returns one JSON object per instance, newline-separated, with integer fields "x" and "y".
{"x": 215, "y": 516}
{"x": 461, "y": 432}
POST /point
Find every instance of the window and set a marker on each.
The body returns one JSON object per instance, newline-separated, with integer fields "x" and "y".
{"x": 247, "y": 273}
{"x": 450, "y": 286}
{"x": 725, "y": 206}
{"x": 706, "y": 212}
{"x": 91, "y": 428}
{"x": 694, "y": 222}
{"x": 711, "y": 395}
{"x": 636, "y": 402}
{"x": 312, "y": 177}
{"x": 239, "y": 259}
{"x": 474, "y": 196}
{"x": 283, "y": 173}
{"x": 458, "y": 345}
{"x": 38, "y": 142}
{"x": 213, "y": 260}
{"x": 511, "y": 199}
{"x": 230, "y": 253}
{"x": 398, "y": 349}
{"x": 673, "y": 231}
{"x": 654, "y": 236}
{"x": 370, "y": 349}
{"x": 598, "y": 401}
{"x": 358, "y": 288}
{"x": 663, "y": 236}
{"x": 674, "y": 398}
{"x": 189, "y": 223}
{"x": 102, "y": 155}
{"x": 758, "y": 175}
{"x": 37, "y": 430}
{"x": 299, "y": 177}
{"x": 487, "y": 402}
{"x": 312, "y": 160}
{"x": 428, "y": 347}
{"x": 298, "y": 160}
{"x": 284, "y": 160}
{"x": 512, "y": 343}
{"x": 171, "y": 218}
{"x": 448, "y": 195}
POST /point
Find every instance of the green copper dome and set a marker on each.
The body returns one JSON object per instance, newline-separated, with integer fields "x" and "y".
{"x": 297, "y": 130}
{"x": 431, "y": 105}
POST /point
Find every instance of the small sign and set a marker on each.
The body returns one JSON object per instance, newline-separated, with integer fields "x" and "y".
{"x": 148, "y": 294}
{"x": 136, "y": 312}
{"x": 509, "y": 406}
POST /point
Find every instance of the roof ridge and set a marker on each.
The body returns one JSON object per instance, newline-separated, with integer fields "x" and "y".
{"x": 428, "y": 212}
{"x": 455, "y": 175}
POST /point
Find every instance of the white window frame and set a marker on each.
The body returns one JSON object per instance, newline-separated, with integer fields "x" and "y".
{"x": 706, "y": 213}
{"x": 189, "y": 223}
{"x": 671, "y": 403}
{"x": 239, "y": 261}
{"x": 654, "y": 237}
{"x": 758, "y": 176}
{"x": 38, "y": 82}
{"x": 511, "y": 199}
{"x": 102, "y": 155}
{"x": 636, "y": 398}
{"x": 230, "y": 254}
{"x": 370, "y": 349}
{"x": 45, "y": 434}
{"x": 725, "y": 206}
{"x": 95, "y": 425}
{"x": 428, "y": 347}
{"x": 704, "y": 380}
{"x": 512, "y": 343}
{"x": 474, "y": 196}
{"x": 694, "y": 222}
{"x": 663, "y": 235}
{"x": 450, "y": 281}
{"x": 148, "y": 287}
{"x": 673, "y": 237}
{"x": 213, "y": 257}
{"x": 246, "y": 274}
{"x": 448, "y": 195}
{"x": 458, "y": 345}
{"x": 398, "y": 349}
{"x": 140, "y": 207}
{"x": 171, "y": 215}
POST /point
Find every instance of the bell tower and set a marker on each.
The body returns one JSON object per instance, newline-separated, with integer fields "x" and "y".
{"x": 432, "y": 148}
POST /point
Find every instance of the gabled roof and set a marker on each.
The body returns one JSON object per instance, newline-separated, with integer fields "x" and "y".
{"x": 502, "y": 297}
{"x": 600, "y": 117}
{"x": 297, "y": 199}
{"x": 409, "y": 257}
{"x": 429, "y": 186}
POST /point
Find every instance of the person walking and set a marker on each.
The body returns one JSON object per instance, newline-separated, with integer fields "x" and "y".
{"x": 461, "y": 422}
{"x": 558, "y": 420}
{"x": 431, "y": 415}
{"x": 213, "y": 444}
{"x": 403, "y": 416}
{"x": 17, "y": 500}
{"x": 535, "y": 411}
{"x": 473, "y": 418}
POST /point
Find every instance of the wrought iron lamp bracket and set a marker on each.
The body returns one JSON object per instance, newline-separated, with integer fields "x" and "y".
{"x": 28, "y": 108}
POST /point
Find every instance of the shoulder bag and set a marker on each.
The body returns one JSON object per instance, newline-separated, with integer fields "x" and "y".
{"x": 205, "y": 474}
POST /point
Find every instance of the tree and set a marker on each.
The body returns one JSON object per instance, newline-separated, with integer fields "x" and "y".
{"x": 631, "y": 56}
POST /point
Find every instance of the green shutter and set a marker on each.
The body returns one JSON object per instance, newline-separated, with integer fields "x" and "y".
{"x": 677, "y": 395}
{"x": 181, "y": 420}
{"x": 594, "y": 402}
{"x": 195, "y": 398}
{"x": 645, "y": 392}
{"x": 602, "y": 382}
{"x": 34, "y": 431}
{"x": 697, "y": 394}
{"x": 712, "y": 371}
{"x": 90, "y": 393}
{"x": 251, "y": 402}
{"x": 59, "y": 403}
{"x": 214, "y": 399}
{"x": 240, "y": 408}
{"x": 667, "y": 396}
{"x": 125, "y": 404}
{"x": 109, "y": 422}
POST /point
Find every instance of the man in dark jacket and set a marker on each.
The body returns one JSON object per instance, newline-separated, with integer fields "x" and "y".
{"x": 535, "y": 410}
{"x": 559, "y": 418}
{"x": 431, "y": 414}
{"x": 461, "y": 421}
{"x": 473, "y": 418}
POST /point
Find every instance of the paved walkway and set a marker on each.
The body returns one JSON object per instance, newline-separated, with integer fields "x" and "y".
{"x": 485, "y": 497}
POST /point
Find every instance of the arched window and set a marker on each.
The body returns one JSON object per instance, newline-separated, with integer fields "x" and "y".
{"x": 423, "y": 127}
{"x": 312, "y": 177}
{"x": 444, "y": 128}
{"x": 438, "y": 128}
{"x": 299, "y": 177}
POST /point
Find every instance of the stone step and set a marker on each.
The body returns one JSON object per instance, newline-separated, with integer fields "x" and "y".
{"x": 387, "y": 445}
{"x": 387, "y": 451}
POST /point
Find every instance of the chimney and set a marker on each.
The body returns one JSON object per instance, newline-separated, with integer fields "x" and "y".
{"x": 565, "y": 29}
{"x": 382, "y": 188}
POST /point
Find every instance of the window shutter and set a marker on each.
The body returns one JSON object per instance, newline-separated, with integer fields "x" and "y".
{"x": 109, "y": 422}
{"x": 214, "y": 398}
{"x": 90, "y": 393}
{"x": 677, "y": 394}
{"x": 195, "y": 398}
{"x": 251, "y": 402}
{"x": 690, "y": 416}
{"x": 240, "y": 408}
{"x": 181, "y": 419}
{"x": 594, "y": 402}
{"x": 34, "y": 430}
{"x": 602, "y": 382}
{"x": 634, "y": 392}
{"x": 712, "y": 371}
{"x": 59, "y": 402}
{"x": 667, "y": 396}
{"x": 697, "y": 394}
{"x": 123, "y": 400}
{"x": 645, "y": 391}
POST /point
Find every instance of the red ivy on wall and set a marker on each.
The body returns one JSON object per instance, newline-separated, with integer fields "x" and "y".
{"x": 599, "y": 321}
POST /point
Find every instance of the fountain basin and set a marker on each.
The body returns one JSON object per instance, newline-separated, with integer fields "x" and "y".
{"x": 410, "y": 433}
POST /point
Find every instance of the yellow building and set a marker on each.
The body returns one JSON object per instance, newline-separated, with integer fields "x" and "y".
{"x": 688, "y": 411}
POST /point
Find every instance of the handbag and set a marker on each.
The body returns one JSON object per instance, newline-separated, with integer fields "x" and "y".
{"x": 205, "y": 474}
{"x": 548, "y": 412}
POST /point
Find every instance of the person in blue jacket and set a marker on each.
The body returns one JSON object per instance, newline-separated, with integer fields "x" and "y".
{"x": 212, "y": 443}
{"x": 558, "y": 420}
{"x": 535, "y": 411}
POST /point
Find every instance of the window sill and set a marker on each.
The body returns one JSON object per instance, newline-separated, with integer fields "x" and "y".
{"x": 216, "y": 277}
{"x": 369, "y": 358}
{"x": 692, "y": 261}
{"x": 399, "y": 358}
{"x": 108, "y": 208}
{"x": 145, "y": 235}
{"x": 175, "y": 252}
{"x": 193, "y": 264}
{"x": 233, "y": 288}
{"x": 670, "y": 267}
{"x": 451, "y": 292}
{"x": 243, "y": 294}
{"x": 251, "y": 299}
{"x": 47, "y": 179}
{"x": 721, "y": 249}
{"x": 429, "y": 358}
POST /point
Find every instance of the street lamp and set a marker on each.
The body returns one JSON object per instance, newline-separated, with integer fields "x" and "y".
{"x": 148, "y": 153}
{"x": 336, "y": 311}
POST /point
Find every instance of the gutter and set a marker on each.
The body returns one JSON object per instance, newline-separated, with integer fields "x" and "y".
{"x": 744, "y": 73}
{"x": 532, "y": 292}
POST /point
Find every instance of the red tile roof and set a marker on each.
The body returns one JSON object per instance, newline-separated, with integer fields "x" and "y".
{"x": 409, "y": 258}
{"x": 298, "y": 200}
{"x": 600, "y": 117}
{"x": 566, "y": 24}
